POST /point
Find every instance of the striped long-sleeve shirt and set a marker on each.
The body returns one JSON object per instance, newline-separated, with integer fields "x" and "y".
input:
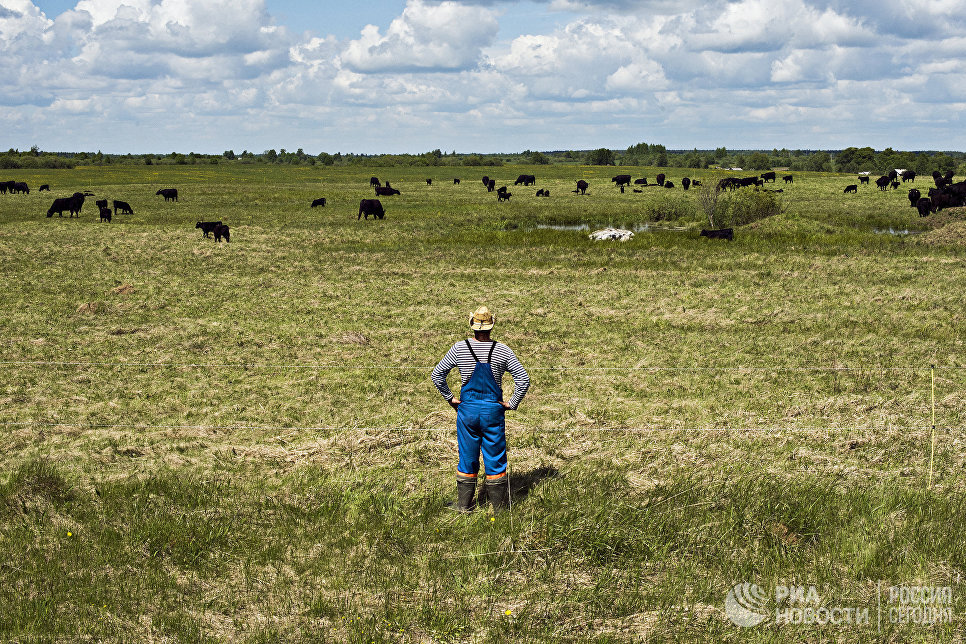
{"x": 504, "y": 360}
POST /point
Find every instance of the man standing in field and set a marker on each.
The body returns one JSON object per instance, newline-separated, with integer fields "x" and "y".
{"x": 480, "y": 409}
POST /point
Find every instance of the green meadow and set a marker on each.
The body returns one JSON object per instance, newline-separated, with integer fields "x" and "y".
{"x": 240, "y": 441}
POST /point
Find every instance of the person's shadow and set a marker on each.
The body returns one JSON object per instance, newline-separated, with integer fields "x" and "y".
{"x": 521, "y": 484}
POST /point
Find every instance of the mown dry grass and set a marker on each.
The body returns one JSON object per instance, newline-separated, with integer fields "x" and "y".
{"x": 244, "y": 444}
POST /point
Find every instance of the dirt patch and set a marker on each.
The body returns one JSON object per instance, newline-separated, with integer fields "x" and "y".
{"x": 91, "y": 308}
{"x": 353, "y": 337}
{"x": 123, "y": 289}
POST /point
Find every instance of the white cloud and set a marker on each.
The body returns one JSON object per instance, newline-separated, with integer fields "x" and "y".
{"x": 442, "y": 37}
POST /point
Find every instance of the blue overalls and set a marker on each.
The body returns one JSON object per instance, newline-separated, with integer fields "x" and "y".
{"x": 481, "y": 422}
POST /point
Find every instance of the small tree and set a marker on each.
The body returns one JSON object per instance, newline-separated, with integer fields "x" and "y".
{"x": 600, "y": 156}
{"x": 709, "y": 200}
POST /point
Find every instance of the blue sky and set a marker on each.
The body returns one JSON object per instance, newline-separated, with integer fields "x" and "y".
{"x": 481, "y": 75}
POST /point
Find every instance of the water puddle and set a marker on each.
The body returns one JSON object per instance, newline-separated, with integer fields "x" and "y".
{"x": 637, "y": 228}
{"x": 897, "y": 233}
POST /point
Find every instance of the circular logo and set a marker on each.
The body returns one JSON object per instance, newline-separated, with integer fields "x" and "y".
{"x": 746, "y": 605}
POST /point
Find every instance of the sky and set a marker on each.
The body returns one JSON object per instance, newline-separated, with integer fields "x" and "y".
{"x": 397, "y": 76}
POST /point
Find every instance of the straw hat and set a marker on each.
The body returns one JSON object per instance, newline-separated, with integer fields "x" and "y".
{"x": 481, "y": 319}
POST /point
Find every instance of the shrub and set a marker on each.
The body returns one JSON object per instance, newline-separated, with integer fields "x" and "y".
{"x": 669, "y": 208}
{"x": 746, "y": 206}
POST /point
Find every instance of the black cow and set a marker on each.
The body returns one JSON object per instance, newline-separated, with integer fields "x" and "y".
{"x": 20, "y": 187}
{"x": 106, "y": 215}
{"x": 4, "y": 186}
{"x": 893, "y": 175}
{"x": 540, "y": 192}
{"x": 123, "y": 206}
{"x": 936, "y": 174}
{"x": 640, "y": 182}
{"x": 59, "y": 206}
{"x": 504, "y": 196}
{"x": 851, "y": 188}
{"x": 924, "y": 206}
{"x": 895, "y": 185}
{"x": 883, "y": 182}
{"x": 944, "y": 200}
{"x": 668, "y": 184}
{"x": 502, "y": 190}
{"x": 101, "y": 203}
{"x": 729, "y": 183}
{"x": 582, "y": 187}
{"x": 486, "y": 181}
{"x": 43, "y": 187}
{"x": 622, "y": 180}
{"x": 686, "y": 183}
{"x": 768, "y": 176}
{"x": 371, "y": 207}
{"x": 660, "y": 179}
{"x": 318, "y": 202}
{"x": 525, "y": 179}
{"x": 949, "y": 176}
{"x": 456, "y": 182}
{"x": 914, "y": 196}
{"x": 429, "y": 182}
{"x": 695, "y": 183}
{"x": 941, "y": 182}
{"x": 789, "y": 178}
{"x": 221, "y": 230}
{"x": 908, "y": 175}
{"x": 491, "y": 185}
{"x": 724, "y": 233}
{"x": 386, "y": 191}
{"x": 374, "y": 182}
{"x": 864, "y": 179}
{"x": 207, "y": 227}
{"x": 169, "y": 194}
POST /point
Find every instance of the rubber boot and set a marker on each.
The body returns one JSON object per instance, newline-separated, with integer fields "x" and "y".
{"x": 465, "y": 491}
{"x": 498, "y": 492}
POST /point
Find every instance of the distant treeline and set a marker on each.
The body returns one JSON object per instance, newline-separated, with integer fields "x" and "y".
{"x": 641, "y": 154}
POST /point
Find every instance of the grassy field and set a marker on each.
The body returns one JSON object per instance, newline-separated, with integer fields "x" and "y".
{"x": 240, "y": 442}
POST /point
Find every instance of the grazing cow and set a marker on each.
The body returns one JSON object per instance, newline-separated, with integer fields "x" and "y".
{"x": 20, "y": 187}
{"x": 864, "y": 179}
{"x": 386, "y": 191}
{"x": 883, "y": 182}
{"x": 660, "y": 179}
{"x": 895, "y": 185}
{"x": 789, "y": 178}
{"x": 695, "y": 183}
{"x": 456, "y": 181}
{"x": 502, "y": 189}
{"x": 221, "y": 230}
{"x": 924, "y": 206}
{"x": 106, "y": 215}
{"x": 374, "y": 182}
{"x": 59, "y": 206}
{"x": 43, "y": 187}
{"x": 908, "y": 175}
{"x": 525, "y": 179}
{"x": 640, "y": 182}
{"x": 943, "y": 200}
{"x": 207, "y": 227}
{"x": 914, "y": 196}
{"x": 318, "y": 202}
{"x": 4, "y": 186}
{"x": 429, "y": 182}
{"x": 540, "y": 192}
{"x": 169, "y": 194}
{"x": 686, "y": 183}
{"x": 123, "y": 206}
{"x": 504, "y": 196}
{"x": 768, "y": 176}
{"x": 622, "y": 180}
{"x": 101, "y": 203}
{"x": 724, "y": 233}
{"x": 491, "y": 185}
{"x": 893, "y": 175}
{"x": 668, "y": 184}
{"x": 729, "y": 183}
{"x": 371, "y": 207}
{"x": 582, "y": 187}
{"x": 851, "y": 188}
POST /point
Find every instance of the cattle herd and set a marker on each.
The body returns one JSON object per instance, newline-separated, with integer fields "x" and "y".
{"x": 945, "y": 194}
